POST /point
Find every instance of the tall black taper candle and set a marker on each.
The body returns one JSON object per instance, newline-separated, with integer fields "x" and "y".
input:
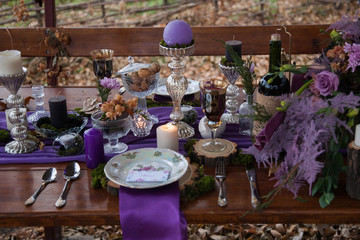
{"x": 58, "y": 111}
{"x": 236, "y": 45}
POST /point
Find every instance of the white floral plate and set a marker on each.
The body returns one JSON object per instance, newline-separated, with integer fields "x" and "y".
{"x": 118, "y": 167}
{"x": 193, "y": 87}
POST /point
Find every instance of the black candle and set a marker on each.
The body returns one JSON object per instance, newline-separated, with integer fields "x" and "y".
{"x": 58, "y": 111}
{"x": 236, "y": 45}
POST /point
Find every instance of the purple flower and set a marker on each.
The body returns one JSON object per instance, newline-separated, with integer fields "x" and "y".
{"x": 326, "y": 82}
{"x": 354, "y": 55}
{"x": 252, "y": 67}
{"x": 109, "y": 83}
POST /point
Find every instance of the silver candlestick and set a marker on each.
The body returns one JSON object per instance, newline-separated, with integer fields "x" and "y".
{"x": 176, "y": 85}
{"x": 232, "y": 94}
{"x": 16, "y": 117}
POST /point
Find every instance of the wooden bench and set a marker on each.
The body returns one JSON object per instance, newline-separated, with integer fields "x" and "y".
{"x": 306, "y": 39}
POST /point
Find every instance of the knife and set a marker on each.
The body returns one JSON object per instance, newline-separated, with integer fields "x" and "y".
{"x": 251, "y": 174}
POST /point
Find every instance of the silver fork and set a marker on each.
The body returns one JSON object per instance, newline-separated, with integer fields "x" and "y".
{"x": 220, "y": 175}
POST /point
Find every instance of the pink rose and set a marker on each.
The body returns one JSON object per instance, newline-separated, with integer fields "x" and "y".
{"x": 326, "y": 82}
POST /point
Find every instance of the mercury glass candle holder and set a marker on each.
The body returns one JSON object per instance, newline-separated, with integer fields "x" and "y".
{"x": 16, "y": 117}
{"x": 232, "y": 94}
{"x": 176, "y": 86}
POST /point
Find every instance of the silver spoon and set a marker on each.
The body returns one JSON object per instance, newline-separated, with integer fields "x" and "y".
{"x": 48, "y": 177}
{"x": 72, "y": 171}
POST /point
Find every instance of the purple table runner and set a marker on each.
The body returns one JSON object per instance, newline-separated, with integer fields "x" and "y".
{"x": 48, "y": 155}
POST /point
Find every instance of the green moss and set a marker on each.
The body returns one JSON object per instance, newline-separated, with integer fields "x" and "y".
{"x": 244, "y": 159}
{"x": 99, "y": 178}
{"x": 163, "y": 43}
{"x": 4, "y": 135}
{"x": 226, "y": 63}
{"x": 202, "y": 184}
{"x": 73, "y": 121}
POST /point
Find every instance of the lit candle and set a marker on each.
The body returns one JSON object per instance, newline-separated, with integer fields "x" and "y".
{"x": 177, "y": 32}
{"x": 94, "y": 147}
{"x": 140, "y": 122}
{"x": 357, "y": 135}
{"x": 236, "y": 45}
{"x": 10, "y": 62}
{"x": 167, "y": 137}
{"x": 58, "y": 111}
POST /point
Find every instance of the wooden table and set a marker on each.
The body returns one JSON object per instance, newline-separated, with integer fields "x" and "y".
{"x": 88, "y": 206}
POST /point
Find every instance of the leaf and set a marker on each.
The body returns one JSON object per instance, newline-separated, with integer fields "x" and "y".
{"x": 3, "y": 105}
{"x": 317, "y": 186}
{"x": 326, "y": 199}
{"x": 27, "y": 100}
{"x": 329, "y": 183}
{"x": 301, "y": 199}
{"x": 334, "y": 34}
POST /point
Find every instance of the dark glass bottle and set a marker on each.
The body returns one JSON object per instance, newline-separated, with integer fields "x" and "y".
{"x": 279, "y": 85}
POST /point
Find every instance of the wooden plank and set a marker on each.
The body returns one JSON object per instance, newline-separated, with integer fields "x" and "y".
{"x": 306, "y": 39}
{"x": 87, "y": 206}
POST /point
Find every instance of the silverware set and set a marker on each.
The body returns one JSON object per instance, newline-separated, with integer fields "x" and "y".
{"x": 220, "y": 176}
{"x": 71, "y": 172}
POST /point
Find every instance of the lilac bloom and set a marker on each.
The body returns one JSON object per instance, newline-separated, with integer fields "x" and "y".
{"x": 109, "y": 83}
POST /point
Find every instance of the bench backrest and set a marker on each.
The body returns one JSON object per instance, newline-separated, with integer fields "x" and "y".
{"x": 306, "y": 39}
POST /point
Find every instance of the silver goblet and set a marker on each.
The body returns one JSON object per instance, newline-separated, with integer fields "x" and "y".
{"x": 232, "y": 94}
{"x": 176, "y": 85}
{"x": 14, "y": 101}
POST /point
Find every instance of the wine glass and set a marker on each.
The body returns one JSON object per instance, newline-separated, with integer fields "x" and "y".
{"x": 213, "y": 97}
{"x": 113, "y": 130}
{"x": 102, "y": 62}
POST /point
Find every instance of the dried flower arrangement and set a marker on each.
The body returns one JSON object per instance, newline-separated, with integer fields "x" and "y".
{"x": 114, "y": 108}
{"x": 303, "y": 140}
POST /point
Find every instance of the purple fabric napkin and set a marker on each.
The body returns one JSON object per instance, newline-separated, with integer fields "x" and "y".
{"x": 152, "y": 213}
{"x": 271, "y": 126}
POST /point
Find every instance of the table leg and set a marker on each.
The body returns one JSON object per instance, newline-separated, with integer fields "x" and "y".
{"x": 53, "y": 233}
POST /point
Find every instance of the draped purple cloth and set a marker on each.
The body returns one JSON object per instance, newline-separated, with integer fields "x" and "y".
{"x": 48, "y": 155}
{"x": 152, "y": 213}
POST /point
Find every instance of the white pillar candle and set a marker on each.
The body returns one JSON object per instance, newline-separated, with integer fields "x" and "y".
{"x": 9, "y": 125}
{"x": 357, "y": 135}
{"x": 167, "y": 137}
{"x": 10, "y": 62}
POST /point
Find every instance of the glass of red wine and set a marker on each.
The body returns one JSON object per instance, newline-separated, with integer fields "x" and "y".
{"x": 102, "y": 62}
{"x": 213, "y": 97}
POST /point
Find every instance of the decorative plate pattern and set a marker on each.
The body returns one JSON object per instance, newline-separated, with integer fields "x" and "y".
{"x": 118, "y": 167}
{"x": 193, "y": 87}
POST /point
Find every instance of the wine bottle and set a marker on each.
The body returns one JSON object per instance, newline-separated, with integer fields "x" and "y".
{"x": 278, "y": 85}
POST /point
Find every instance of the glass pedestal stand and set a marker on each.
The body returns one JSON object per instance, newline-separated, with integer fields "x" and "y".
{"x": 232, "y": 94}
{"x": 176, "y": 86}
{"x": 14, "y": 101}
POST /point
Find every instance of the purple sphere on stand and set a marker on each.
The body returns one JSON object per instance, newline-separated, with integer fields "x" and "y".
{"x": 177, "y": 32}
